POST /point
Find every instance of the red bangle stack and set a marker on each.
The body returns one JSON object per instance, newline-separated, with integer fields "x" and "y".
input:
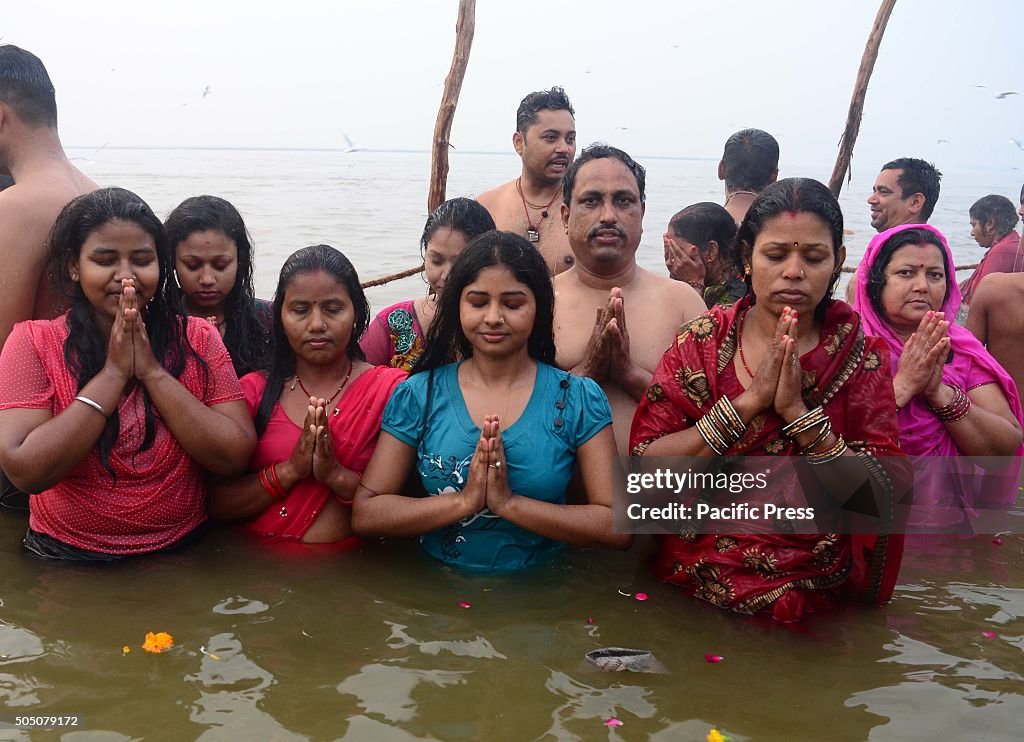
{"x": 271, "y": 484}
{"x": 957, "y": 409}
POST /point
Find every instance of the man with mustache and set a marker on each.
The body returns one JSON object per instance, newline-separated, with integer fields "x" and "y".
{"x": 905, "y": 192}
{"x": 545, "y": 139}
{"x": 602, "y": 212}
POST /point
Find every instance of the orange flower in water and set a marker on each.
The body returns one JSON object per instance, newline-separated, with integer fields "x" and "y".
{"x": 159, "y": 642}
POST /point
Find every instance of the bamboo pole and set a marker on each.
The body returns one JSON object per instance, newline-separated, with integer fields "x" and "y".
{"x": 380, "y": 281}
{"x": 464, "y": 28}
{"x": 860, "y": 89}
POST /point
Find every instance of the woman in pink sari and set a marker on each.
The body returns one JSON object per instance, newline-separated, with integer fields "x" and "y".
{"x": 954, "y": 399}
{"x": 317, "y": 410}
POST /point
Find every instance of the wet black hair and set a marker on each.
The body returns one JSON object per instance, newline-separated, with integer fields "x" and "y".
{"x": 246, "y": 338}
{"x": 462, "y": 215}
{"x": 445, "y": 341}
{"x": 85, "y": 350}
{"x": 313, "y": 259}
{"x": 791, "y": 194}
{"x": 917, "y": 176}
{"x": 750, "y": 160}
{"x": 554, "y": 99}
{"x": 599, "y": 151}
{"x": 876, "y": 276}
{"x": 25, "y": 86}
{"x": 998, "y": 209}
{"x": 703, "y": 222}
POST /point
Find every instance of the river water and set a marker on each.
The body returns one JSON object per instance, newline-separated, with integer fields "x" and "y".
{"x": 385, "y": 644}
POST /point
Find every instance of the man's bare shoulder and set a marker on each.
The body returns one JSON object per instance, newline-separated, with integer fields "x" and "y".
{"x": 497, "y": 196}
{"x": 998, "y": 288}
{"x": 669, "y": 293}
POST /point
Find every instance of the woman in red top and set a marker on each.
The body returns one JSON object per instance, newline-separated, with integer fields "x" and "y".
{"x": 318, "y": 409}
{"x": 110, "y": 413}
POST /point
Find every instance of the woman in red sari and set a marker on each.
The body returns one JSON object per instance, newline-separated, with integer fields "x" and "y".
{"x": 317, "y": 411}
{"x": 784, "y": 372}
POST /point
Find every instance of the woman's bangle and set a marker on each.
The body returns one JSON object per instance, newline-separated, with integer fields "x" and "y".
{"x": 833, "y": 452}
{"x": 92, "y": 403}
{"x": 270, "y": 483}
{"x": 957, "y": 408}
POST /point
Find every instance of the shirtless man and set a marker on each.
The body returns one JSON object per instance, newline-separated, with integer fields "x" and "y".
{"x": 749, "y": 164}
{"x": 997, "y": 320}
{"x": 545, "y": 139}
{"x": 602, "y": 211}
{"x": 905, "y": 192}
{"x": 44, "y": 181}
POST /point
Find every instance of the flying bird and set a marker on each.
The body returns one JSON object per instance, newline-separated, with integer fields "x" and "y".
{"x": 942, "y": 141}
{"x": 1019, "y": 143}
{"x": 1007, "y": 94}
{"x": 206, "y": 91}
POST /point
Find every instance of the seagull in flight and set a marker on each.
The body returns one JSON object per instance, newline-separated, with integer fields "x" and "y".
{"x": 1019, "y": 143}
{"x": 1007, "y": 94}
{"x": 206, "y": 91}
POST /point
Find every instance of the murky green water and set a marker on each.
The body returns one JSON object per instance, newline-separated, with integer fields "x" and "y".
{"x": 374, "y": 645}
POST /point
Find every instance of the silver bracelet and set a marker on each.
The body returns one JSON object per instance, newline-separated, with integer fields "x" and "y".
{"x": 92, "y": 403}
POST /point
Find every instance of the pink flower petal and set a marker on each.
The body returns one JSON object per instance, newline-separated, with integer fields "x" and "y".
{"x": 465, "y": 604}
{"x": 590, "y": 619}
{"x": 989, "y": 634}
{"x": 641, "y": 596}
{"x": 997, "y": 541}
{"x": 613, "y": 722}
{"x": 713, "y": 657}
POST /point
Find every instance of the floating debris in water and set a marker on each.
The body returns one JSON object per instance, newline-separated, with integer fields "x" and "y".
{"x": 716, "y": 736}
{"x": 623, "y": 592}
{"x": 125, "y": 649}
{"x": 713, "y": 658}
{"x": 621, "y": 659}
{"x": 211, "y": 655}
{"x": 997, "y": 541}
{"x": 158, "y": 642}
{"x": 613, "y": 722}
{"x": 465, "y": 604}
{"x": 641, "y": 596}
{"x": 590, "y": 619}
{"x": 989, "y": 634}
{"x": 303, "y": 632}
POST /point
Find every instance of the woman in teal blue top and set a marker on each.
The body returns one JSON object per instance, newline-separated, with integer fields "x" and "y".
{"x": 494, "y": 437}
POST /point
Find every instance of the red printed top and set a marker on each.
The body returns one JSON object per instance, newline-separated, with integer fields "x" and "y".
{"x": 156, "y": 496}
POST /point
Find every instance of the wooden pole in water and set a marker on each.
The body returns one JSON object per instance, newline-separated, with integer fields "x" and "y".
{"x": 464, "y": 28}
{"x": 860, "y": 89}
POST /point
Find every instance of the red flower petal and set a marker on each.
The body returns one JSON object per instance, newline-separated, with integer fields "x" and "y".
{"x": 997, "y": 541}
{"x": 989, "y": 634}
{"x": 590, "y": 619}
{"x": 465, "y": 604}
{"x": 714, "y": 657}
{"x": 641, "y": 596}
{"x": 613, "y": 722}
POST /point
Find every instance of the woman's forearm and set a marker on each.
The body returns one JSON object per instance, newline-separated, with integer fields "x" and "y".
{"x": 579, "y": 525}
{"x": 397, "y": 515}
{"x": 53, "y": 449}
{"x": 217, "y": 442}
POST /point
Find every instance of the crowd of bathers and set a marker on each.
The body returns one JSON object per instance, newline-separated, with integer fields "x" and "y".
{"x": 147, "y": 393}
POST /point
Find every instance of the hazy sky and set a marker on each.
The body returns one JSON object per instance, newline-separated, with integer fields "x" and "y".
{"x": 655, "y": 77}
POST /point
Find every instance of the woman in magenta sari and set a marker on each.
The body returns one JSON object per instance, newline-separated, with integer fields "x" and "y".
{"x": 954, "y": 399}
{"x": 786, "y": 371}
{"x": 317, "y": 410}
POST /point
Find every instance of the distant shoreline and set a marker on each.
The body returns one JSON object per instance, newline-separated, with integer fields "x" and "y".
{"x": 340, "y": 150}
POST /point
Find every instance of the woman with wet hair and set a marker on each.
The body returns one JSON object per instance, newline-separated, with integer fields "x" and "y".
{"x": 954, "y": 399}
{"x": 785, "y": 372}
{"x": 317, "y": 409}
{"x": 213, "y": 264}
{"x": 492, "y": 428}
{"x": 699, "y": 250}
{"x": 110, "y": 413}
{"x": 396, "y": 335}
{"x": 993, "y": 219}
